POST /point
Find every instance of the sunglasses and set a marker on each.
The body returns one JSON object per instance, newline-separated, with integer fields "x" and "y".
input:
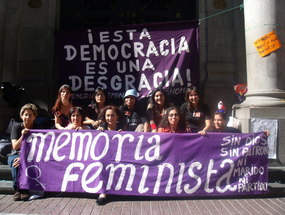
{"x": 173, "y": 115}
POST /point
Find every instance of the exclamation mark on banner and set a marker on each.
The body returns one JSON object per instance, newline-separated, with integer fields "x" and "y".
{"x": 166, "y": 79}
{"x": 188, "y": 76}
{"x": 90, "y": 37}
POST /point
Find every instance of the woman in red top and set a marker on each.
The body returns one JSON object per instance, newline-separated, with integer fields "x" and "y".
{"x": 172, "y": 122}
{"x": 156, "y": 108}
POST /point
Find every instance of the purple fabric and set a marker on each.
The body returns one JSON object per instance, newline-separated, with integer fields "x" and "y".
{"x": 134, "y": 163}
{"x": 143, "y": 57}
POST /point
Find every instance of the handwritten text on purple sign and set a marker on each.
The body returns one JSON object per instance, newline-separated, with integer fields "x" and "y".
{"x": 151, "y": 164}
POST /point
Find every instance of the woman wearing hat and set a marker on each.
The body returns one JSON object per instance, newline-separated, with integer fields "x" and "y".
{"x": 133, "y": 117}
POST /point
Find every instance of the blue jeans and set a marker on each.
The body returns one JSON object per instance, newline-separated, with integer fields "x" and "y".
{"x": 13, "y": 170}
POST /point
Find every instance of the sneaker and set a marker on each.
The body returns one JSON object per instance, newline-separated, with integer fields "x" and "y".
{"x": 101, "y": 200}
{"x": 17, "y": 196}
{"x": 25, "y": 196}
{"x": 36, "y": 195}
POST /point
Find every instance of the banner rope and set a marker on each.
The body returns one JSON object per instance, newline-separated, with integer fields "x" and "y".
{"x": 241, "y": 6}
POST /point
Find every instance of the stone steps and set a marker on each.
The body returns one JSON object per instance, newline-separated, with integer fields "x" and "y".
{"x": 6, "y": 187}
{"x": 276, "y": 175}
{"x": 6, "y": 183}
{"x": 5, "y": 172}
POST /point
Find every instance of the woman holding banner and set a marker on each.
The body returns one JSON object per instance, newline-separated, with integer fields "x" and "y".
{"x": 172, "y": 122}
{"x": 92, "y": 110}
{"x": 28, "y": 114}
{"x": 220, "y": 123}
{"x": 111, "y": 120}
{"x": 195, "y": 112}
{"x": 156, "y": 108}
{"x": 62, "y": 106}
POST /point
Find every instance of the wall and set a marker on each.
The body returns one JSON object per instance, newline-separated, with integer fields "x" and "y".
{"x": 27, "y": 51}
{"x": 27, "y": 48}
{"x": 222, "y": 52}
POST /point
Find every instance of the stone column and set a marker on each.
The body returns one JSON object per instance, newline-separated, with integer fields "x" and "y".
{"x": 265, "y": 75}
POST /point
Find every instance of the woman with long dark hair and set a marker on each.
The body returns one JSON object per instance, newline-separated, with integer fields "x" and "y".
{"x": 156, "y": 108}
{"x": 62, "y": 106}
{"x": 76, "y": 118}
{"x": 195, "y": 112}
{"x": 172, "y": 121}
{"x": 92, "y": 110}
{"x": 111, "y": 120}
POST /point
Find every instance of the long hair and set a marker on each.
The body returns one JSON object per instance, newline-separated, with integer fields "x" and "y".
{"x": 102, "y": 113}
{"x": 152, "y": 101}
{"x": 164, "y": 123}
{"x": 79, "y": 110}
{"x": 192, "y": 89}
{"x": 58, "y": 102}
{"x": 93, "y": 101}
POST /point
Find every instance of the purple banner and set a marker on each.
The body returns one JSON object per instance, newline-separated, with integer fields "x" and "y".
{"x": 134, "y": 163}
{"x": 143, "y": 57}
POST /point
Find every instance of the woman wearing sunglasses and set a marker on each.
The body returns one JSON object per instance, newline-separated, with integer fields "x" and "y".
{"x": 172, "y": 122}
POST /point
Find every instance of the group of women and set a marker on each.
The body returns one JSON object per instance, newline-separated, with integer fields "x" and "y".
{"x": 159, "y": 116}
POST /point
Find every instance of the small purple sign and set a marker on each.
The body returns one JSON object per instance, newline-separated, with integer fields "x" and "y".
{"x": 149, "y": 164}
{"x": 143, "y": 57}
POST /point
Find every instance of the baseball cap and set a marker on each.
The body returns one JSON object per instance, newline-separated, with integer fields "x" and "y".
{"x": 131, "y": 92}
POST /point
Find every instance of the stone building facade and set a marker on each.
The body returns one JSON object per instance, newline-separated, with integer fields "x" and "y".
{"x": 27, "y": 47}
{"x": 27, "y": 57}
